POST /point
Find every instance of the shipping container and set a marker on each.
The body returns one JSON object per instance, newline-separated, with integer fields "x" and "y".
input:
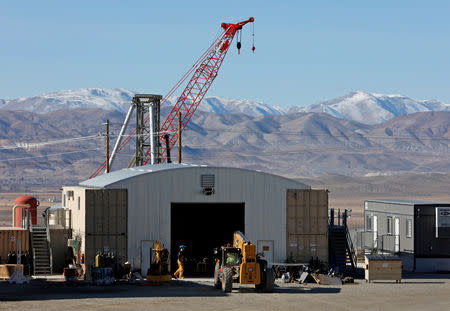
{"x": 8, "y": 241}
{"x": 106, "y": 223}
{"x": 307, "y": 225}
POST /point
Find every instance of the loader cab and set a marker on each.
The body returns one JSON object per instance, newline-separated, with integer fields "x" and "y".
{"x": 228, "y": 256}
{"x": 231, "y": 256}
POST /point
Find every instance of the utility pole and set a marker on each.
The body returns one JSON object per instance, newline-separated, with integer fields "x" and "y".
{"x": 166, "y": 137}
{"x": 107, "y": 146}
{"x": 179, "y": 137}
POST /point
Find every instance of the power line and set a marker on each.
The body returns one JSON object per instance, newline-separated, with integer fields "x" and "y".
{"x": 288, "y": 133}
{"x": 35, "y": 145}
{"x": 49, "y": 155}
{"x": 29, "y": 145}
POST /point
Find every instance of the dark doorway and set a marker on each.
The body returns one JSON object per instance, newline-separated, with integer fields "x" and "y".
{"x": 203, "y": 227}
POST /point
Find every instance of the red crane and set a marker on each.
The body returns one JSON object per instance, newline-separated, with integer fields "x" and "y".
{"x": 205, "y": 71}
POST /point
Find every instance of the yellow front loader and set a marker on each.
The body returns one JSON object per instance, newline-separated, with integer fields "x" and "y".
{"x": 239, "y": 263}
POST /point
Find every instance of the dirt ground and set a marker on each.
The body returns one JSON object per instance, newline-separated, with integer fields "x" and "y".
{"x": 416, "y": 292}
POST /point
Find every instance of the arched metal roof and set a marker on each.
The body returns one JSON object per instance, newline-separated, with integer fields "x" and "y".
{"x": 105, "y": 180}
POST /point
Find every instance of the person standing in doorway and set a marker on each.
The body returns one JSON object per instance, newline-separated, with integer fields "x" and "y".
{"x": 180, "y": 272}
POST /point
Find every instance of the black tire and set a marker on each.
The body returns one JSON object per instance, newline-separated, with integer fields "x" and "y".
{"x": 217, "y": 281}
{"x": 227, "y": 279}
{"x": 270, "y": 281}
{"x": 267, "y": 278}
{"x": 262, "y": 275}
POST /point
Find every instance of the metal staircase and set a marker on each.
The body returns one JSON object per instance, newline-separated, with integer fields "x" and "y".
{"x": 42, "y": 253}
{"x": 341, "y": 250}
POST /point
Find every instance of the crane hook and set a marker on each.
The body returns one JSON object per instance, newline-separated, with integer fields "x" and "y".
{"x": 253, "y": 38}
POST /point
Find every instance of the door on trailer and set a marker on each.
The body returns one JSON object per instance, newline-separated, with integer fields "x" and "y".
{"x": 396, "y": 234}
{"x": 375, "y": 231}
{"x": 146, "y": 256}
{"x": 266, "y": 247}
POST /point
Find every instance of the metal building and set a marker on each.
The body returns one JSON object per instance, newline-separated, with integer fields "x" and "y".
{"x": 417, "y": 230}
{"x": 199, "y": 206}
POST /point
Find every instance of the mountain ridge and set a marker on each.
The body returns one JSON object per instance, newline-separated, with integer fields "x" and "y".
{"x": 364, "y": 107}
{"x": 65, "y": 146}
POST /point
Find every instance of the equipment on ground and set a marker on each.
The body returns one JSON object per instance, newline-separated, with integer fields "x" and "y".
{"x": 241, "y": 264}
{"x": 17, "y": 277}
{"x": 159, "y": 268}
{"x": 202, "y": 73}
{"x": 70, "y": 274}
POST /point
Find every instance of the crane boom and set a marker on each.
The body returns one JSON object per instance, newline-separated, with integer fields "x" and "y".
{"x": 205, "y": 71}
{"x": 198, "y": 85}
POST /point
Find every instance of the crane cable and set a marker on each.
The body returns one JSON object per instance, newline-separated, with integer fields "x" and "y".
{"x": 253, "y": 37}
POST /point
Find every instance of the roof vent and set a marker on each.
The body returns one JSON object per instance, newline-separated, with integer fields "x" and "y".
{"x": 207, "y": 183}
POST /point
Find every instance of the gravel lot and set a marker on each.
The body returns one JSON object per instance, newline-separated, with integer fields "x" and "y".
{"x": 416, "y": 292}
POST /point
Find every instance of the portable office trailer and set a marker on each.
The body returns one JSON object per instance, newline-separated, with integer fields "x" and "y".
{"x": 417, "y": 230}
{"x": 194, "y": 205}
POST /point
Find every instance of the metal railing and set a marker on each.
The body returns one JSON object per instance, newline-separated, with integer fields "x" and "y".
{"x": 34, "y": 261}
{"x": 366, "y": 241}
{"x": 351, "y": 249}
{"x": 47, "y": 230}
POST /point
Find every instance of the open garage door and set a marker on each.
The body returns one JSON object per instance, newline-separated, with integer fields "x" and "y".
{"x": 203, "y": 227}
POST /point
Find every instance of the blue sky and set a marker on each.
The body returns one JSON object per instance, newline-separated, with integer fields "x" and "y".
{"x": 306, "y": 51}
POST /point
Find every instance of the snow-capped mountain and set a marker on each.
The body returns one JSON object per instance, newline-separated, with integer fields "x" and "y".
{"x": 107, "y": 99}
{"x": 248, "y": 107}
{"x": 120, "y": 99}
{"x": 372, "y": 108}
{"x": 368, "y": 108}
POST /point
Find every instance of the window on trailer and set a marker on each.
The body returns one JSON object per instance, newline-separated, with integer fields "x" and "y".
{"x": 368, "y": 223}
{"x": 389, "y": 225}
{"x": 408, "y": 228}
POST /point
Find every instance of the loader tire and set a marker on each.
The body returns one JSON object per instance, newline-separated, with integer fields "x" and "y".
{"x": 227, "y": 279}
{"x": 217, "y": 282}
{"x": 270, "y": 281}
{"x": 262, "y": 275}
{"x": 267, "y": 278}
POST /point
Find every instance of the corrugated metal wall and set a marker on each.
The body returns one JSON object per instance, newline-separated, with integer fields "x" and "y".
{"x": 58, "y": 243}
{"x": 307, "y": 225}
{"x": 7, "y": 243}
{"x": 106, "y": 222}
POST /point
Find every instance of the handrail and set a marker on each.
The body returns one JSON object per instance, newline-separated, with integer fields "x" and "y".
{"x": 351, "y": 248}
{"x": 51, "y": 260}
{"x": 34, "y": 261}
{"x": 49, "y": 249}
